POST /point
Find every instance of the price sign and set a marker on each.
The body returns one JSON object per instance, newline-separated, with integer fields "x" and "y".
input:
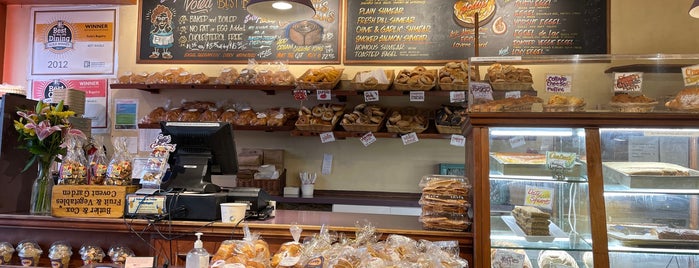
{"x": 458, "y": 140}
{"x": 481, "y": 90}
{"x": 371, "y": 95}
{"x": 457, "y": 96}
{"x": 559, "y": 83}
{"x": 417, "y": 96}
{"x": 539, "y": 197}
{"x": 628, "y": 81}
{"x": 409, "y": 138}
{"x": 367, "y": 139}
{"x": 513, "y": 94}
{"x": 510, "y": 259}
{"x": 324, "y": 94}
{"x": 300, "y": 94}
{"x": 326, "y": 137}
{"x": 517, "y": 141}
{"x": 560, "y": 160}
{"x": 690, "y": 75}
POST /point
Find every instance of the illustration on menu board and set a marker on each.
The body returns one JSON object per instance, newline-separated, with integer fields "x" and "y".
{"x": 161, "y": 35}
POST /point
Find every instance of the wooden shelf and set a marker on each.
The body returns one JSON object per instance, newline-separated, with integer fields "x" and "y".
{"x": 647, "y": 68}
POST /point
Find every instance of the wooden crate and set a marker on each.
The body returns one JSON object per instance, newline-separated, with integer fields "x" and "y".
{"x": 89, "y": 201}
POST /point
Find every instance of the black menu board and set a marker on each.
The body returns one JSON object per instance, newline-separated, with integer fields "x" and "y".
{"x": 422, "y": 31}
{"x": 205, "y": 31}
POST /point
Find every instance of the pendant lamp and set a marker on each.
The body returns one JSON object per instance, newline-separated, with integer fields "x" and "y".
{"x": 282, "y": 10}
{"x": 694, "y": 11}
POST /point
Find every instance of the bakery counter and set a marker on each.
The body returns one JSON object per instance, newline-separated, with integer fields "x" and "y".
{"x": 171, "y": 240}
{"x": 363, "y": 198}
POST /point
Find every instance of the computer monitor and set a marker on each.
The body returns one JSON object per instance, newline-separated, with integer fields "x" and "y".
{"x": 202, "y": 149}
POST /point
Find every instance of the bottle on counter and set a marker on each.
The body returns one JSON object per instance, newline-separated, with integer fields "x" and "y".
{"x": 198, "y": 257}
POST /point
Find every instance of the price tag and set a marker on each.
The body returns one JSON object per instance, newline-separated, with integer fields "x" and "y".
{"x": 559, "y": 83}
{"x": 300, "y": 94}
{"x": 513, "y": 94}
{"x": 326, "y": 137}
{"x": 628, "y": 81}
{"x": 409, "y": 138}
{"x": 417, "y": 96}
{"x": 690, "y": 75}
{"x": 481, "y": 90}
{"x": 371, "y": 95}
{"x": 509, "y": 259}
{"x": 558, "y": 160}
{"x": 539, "y": 197}
{"x": 367, "y": 139}
{"x": 457, "y": 96}
{"x": 458, "y": 140}
{"x": 517, "y": 141}
{"x": 324, "y": 94}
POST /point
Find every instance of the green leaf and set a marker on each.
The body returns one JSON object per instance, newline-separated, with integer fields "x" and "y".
{"x": 30, "y": 163}
{"x": 59, "y": 107}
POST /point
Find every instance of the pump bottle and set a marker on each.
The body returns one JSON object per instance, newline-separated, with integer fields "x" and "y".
{"x": 198, "y": 257}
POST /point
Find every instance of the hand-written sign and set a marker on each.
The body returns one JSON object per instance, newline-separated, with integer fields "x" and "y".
{"x": 628, "y": 81}
{"x": 200, "y": 31}
{"x": 539, "y": 197}
{"x": 559, "y": 83}
{"x": 690, "y": 75}
{"x": 92, "y": 201}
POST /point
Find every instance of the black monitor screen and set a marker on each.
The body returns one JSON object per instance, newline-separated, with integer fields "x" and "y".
{"x": 202, "y": 149}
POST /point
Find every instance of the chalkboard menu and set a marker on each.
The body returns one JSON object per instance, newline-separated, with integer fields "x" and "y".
{"x": 420, "y": 31}
{"x": 205, "y": 31}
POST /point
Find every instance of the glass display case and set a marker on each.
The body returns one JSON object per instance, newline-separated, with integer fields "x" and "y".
{"x": 651, "y": 192}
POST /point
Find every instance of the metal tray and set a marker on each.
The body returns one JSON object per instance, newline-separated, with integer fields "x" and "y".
{"x": 613, "y": 175}
{"x": 650, "y": 240}
{"x": 502, "y": 168}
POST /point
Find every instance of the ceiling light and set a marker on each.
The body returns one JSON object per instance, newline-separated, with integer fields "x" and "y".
{"x": 282, "y": 10}
{"x": 694, "y": 11}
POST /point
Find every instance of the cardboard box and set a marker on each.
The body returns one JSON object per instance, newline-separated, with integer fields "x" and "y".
{"x": 89, "y": 201}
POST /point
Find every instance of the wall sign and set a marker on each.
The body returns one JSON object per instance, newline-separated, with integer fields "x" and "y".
{"x": 418, "y": 31}
{"x": 73, "y": 42}
{"x": 171, "y": 31}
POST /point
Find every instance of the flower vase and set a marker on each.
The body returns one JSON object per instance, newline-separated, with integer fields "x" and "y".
{"x": 40, "y": 203}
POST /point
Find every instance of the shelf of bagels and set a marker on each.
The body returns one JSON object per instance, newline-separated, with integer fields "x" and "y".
{"x": 305, "y": 121}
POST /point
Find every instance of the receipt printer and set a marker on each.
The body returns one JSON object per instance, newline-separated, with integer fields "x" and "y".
{"x": 256, "y": 198}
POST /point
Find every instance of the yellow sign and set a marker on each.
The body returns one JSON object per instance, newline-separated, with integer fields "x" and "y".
{"x": 539, "y": 197}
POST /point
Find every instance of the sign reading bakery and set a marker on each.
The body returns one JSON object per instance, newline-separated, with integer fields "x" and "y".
{"x": 172, "y": 31}
{"x": 73, "y": 42}
{"x": 412, "y": 31}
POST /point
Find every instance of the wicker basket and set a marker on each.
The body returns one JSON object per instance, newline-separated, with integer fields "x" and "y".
{"x": 318, "y": 127}
{"x": 402, "y": 130}
{"x": 364, "y": 127}
{"x": 632, "y": 107}
{"x": 301, "y": 84}
{"x": 271, "y": 186}
{"x": 364, "y": 86}
{"x": 407, "y": 87}
{"x": 511, "y": 86}
{"x": 448, "y": 129}
{"x": 563, "y": 108}
{"x": 453, "y": 86}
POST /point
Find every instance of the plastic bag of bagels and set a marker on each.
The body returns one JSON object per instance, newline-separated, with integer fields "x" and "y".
{"x": 251, "y": 252}
{"x": 289, "y": 253}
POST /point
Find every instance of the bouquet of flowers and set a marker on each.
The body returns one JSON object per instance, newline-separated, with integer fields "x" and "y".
{"x": 43, "y": 132}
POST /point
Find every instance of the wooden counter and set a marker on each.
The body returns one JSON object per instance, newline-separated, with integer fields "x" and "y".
{"x": 173, "y": 239}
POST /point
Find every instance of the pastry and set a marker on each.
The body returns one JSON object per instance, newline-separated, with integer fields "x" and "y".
{"x": 173, "y": 114}
{"x": 555, "y": 258}
{"x": 227, "y": 116}
{"x": 6, "y": 251}
{"x": 227, "y": 76}
{"x": 506, "y": 258}
{"x": 508, "y": 104}
{"x": 190, "y": 115}
{"x": 532, "y": 220}
{"x": 686, "y": 99}
{"x": 155, "y": 116}
{"x": 520, "y": 158}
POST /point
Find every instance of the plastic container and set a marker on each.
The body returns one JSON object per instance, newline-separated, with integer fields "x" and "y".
{"x": 198, "y": 257}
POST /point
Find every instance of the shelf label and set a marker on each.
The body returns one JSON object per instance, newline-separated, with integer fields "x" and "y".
{"x": 481, "y": 90}
{"x": 367, "y": 139}
{"x": 513, "y": 94}
{"x": 409, "y": 138}
{"x": 457, "y": 96}
{"x": 371, "y": 95}
{"x": 560, "y": 160}
{"x": 300, "y": 94}
{"x": 559, "y": 83}
{"x": 517, "y": 141}
{"x": 539, "y": 197}
{"x": 690, "y": 75}
{"x": 508, "y": 258}
{"x": 458, "y": 140}
{"x": 326, "y": 137}
{"x": 324, "y": 94}
{"x": 624, "y": 82}
{"x": 417, "y": 96}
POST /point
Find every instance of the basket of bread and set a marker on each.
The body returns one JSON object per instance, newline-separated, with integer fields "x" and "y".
{"x": 523, "y": 104}
{"x": 454, "y": 76}
{"x": 373, "y": 80}
{"x": 321, "y": 118}
{"x": 406, "y": 120}
{"x": 560, "y": 103}
{"x": 627, "y": 103}
{"x": 450, "y": 119}
{"x": 687, "y": 100}
{"x": 419, "y": 78}
{"x": 508, "y": 77}
{"x": 364, "y": 118}
{"x": 322, "y": 78}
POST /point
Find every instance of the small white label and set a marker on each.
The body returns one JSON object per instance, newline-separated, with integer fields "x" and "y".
{"x": 481, "y": 91}
{"x": 690, "y": 75}
{"x": 326, "y": 168}
{"x": 367, "y": 139}
{"x": 457, "y": 96}
{"x": 458, "y": 140}
{"x": 624, "y": 82}
{"x": 300, "y": 94}
{"x": 517, "y": 141}
{"x": 559, "y": 83}
{"x": 417, "y": 96}
{"x": 409, "y": 138}
{"x": 513, "y": 94}
{"x": 509, "y": 259}
{"x": 371, "y": 95}
{"x": 324, "y": 94}
{"x": 326, "y": 137}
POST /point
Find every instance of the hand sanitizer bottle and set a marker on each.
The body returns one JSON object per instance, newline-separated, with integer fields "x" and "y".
{"x": 198, "y": 257}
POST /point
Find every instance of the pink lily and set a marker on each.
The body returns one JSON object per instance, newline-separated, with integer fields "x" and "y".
{"x": 26, "y": 116}
{"x": 76, "y": 133}
{"x": 43, "y": 129}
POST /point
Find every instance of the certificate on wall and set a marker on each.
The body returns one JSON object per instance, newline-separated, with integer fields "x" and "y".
{"x": 95, "y": 95}
{"x": 73, "y": 41}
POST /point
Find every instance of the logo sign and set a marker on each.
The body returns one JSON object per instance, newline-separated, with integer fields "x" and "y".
{"x": 59, "y": 37}
{"x": 627, "y": 81}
